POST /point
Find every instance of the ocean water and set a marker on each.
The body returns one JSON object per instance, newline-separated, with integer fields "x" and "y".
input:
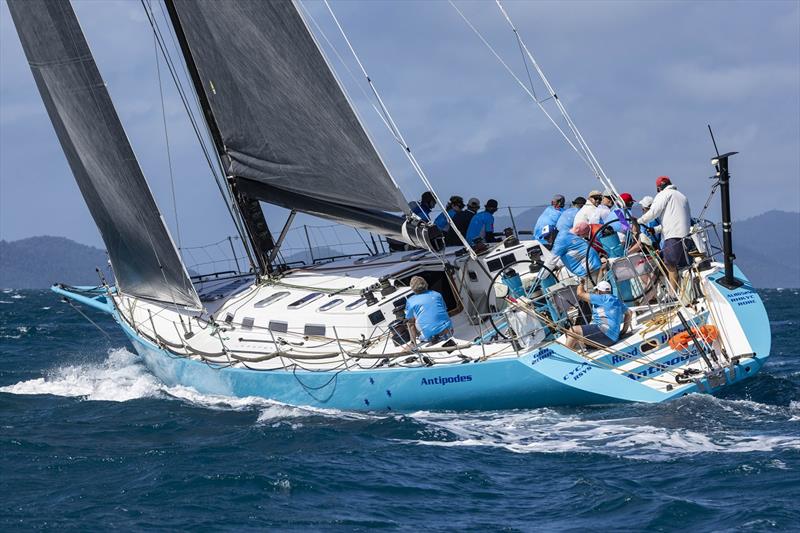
{"x": 90, "y": 440}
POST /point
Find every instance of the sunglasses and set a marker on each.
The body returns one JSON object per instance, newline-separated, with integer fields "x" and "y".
{"x": 599, "y": 198}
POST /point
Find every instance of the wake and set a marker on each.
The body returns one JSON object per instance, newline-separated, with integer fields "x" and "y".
{"x": 689, "y": 426}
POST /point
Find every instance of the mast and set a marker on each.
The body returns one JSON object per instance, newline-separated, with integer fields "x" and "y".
{"x": 249, "y": 209}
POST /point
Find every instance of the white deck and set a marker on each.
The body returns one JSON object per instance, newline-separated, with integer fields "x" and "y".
{"x": 263, "y": 327}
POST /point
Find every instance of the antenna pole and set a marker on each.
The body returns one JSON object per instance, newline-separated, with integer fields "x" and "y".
{"x": 721, "y": 163}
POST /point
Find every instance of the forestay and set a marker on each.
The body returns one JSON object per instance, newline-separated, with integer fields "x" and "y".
{"x": 283, "y": 119}
{"x": 143, "y": 256}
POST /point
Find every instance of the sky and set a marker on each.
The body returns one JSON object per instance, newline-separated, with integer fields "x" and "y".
{"x": 640, "y": 79}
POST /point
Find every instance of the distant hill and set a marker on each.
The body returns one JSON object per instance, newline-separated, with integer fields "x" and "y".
{"x": 38, "y": 262}
{"x": 767, "y": 249}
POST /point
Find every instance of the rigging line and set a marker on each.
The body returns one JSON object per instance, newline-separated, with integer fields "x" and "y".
{"x": 407, "y": 149}
{"x": 346, "y": 67}
{"x": 166, "y": 140}
{"x": 192, "y": 120}
{"x": 524, "y": 88}
{"x": 601, "y": 175}
{"x": 527, "y": 70}
{"x": 104, "y": 332}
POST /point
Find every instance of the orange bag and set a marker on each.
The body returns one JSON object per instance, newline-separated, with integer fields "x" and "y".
{"x": 680, "y": 341}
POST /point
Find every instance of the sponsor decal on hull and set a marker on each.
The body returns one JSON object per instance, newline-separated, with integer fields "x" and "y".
{"x": 446, "y": 380}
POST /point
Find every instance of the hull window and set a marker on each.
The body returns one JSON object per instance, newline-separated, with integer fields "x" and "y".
{"x": 355, "y": 305}
{"x": 330, "y": 305}
{"x": 272, "y": 298}
{"x": 305, "y": 300}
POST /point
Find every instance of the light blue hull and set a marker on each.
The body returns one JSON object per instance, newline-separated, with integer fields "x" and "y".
{"x": 545, "y": 377}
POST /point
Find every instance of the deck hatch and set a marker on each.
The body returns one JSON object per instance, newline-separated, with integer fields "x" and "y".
{"x": 278, "y": 326}
{"x": 376, "y": 317}
{"x": 314, "y": 330}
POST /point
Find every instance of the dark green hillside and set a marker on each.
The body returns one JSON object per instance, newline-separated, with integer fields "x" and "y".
{"x": 38, "y": 262}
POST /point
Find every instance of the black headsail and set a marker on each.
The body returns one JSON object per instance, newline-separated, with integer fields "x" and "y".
{"x": 143, "y": 256}
{"x": 285, "y": 129}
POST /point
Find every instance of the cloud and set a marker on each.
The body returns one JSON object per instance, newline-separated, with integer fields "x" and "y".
{"x": 731, "y": 83}
{"x": 641, "y": 79}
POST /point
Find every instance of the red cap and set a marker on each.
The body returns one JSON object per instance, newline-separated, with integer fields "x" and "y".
{"x": 626, "y": 197}
{"x": 662, "y": 180}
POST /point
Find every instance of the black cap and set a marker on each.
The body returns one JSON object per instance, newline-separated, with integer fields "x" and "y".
{"x": 491, "y": 203}
{"x": 579, "y": 201}
{"x": 428, "y": 197}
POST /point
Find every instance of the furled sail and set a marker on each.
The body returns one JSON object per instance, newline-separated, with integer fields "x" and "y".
{"x": 281, "y": 117}
{"x": 143, "y": 256}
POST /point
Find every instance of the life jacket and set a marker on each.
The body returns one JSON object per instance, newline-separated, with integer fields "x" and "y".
{"x": 596, "y": 244}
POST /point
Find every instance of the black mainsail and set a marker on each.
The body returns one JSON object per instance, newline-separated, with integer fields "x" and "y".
{"x": 282, "y": 124}
{"x": 143, "y": 256}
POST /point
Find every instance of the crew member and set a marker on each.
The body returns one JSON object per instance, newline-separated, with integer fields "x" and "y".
{"x": 603, "y": 211}
{"x": 672, "y": 208}
{"x": 567, "y": 217}
{"x": 426, "y": 313}
{"x": 628, "y": 199}
{"x": 461, "y": 221}
{"x": 586, "y": 212}
{"x": 611, "y": 318}
{"x": 650, "y": 237}
{"x": 549, "y": 216}
{"x": 616, "y": 218}
{"x": 455, "y": 205}
{"x": 482, "y": 224}
{"x": 571, "y": 248}
{"x": 424, "y": 207}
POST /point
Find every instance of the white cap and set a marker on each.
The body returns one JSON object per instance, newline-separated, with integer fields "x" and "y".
{"x": 603, "y": 286}
{"x": 646, "y": 201}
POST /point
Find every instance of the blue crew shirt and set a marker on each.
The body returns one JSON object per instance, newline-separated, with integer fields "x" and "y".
{"x": 652, "y": 233}
{"x": 572, "y": 251}
{"x": 441, "y": 221}
{"x": 566, "y": 219}
{"x": 430, "y": 313}
{"x": 422, "y": 212}
{"x": 549, "y": 217}
{"x": 608, "y": 313}
{"x": 481, "y": 225}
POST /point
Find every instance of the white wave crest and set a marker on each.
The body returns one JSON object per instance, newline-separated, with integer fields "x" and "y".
{"x": 119, "y": 378}
{"x": 547, "y": 431}
{"x": 122, "y": 377}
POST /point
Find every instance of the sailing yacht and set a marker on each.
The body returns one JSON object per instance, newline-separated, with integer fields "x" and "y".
{"x": 332, "y": 334}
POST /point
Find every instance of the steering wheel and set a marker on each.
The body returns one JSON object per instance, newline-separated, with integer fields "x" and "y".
{"x": 592, "y": 240}
{"x": 490, "y": 291}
